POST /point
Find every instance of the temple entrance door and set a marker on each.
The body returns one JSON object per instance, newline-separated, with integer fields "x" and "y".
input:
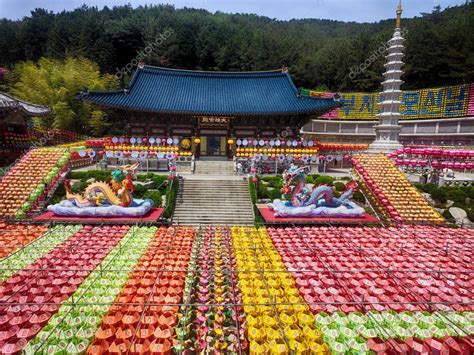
{"x": 214, "y": 146}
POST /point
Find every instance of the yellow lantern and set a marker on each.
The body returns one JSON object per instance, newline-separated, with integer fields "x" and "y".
{"x": 230, "y": 141}
{"x": 197, "y": 140}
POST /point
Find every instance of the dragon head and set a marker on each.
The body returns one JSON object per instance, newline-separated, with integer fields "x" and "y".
{"x": 290, "y": 175}
{"x": 130, "y": 169}
{"x": 122, "y": 172}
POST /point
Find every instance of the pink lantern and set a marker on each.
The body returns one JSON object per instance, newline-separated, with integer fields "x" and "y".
{"x": 254, "y": 180}
{"x": 435, "y": 164}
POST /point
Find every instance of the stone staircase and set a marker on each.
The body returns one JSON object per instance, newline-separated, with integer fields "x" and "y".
{"x": 213, "y": 202}
{"x": 209, "y": 167}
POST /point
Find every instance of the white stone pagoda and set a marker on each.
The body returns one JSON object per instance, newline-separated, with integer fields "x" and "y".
{"x": 387, "y": 130}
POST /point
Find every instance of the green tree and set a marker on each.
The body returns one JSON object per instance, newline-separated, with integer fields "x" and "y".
{"x": 98, "y": 122}
{"x": 57, "y": 83}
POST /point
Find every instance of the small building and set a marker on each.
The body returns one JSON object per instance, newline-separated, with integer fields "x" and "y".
{"x": 14, "y": 117}
{"x": 211, "y": 106}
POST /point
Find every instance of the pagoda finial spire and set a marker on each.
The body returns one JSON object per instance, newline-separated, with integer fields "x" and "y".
{"x": 399, "y": 14}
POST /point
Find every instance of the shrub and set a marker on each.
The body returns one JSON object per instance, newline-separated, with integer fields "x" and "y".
{"x": 82, "y": 186}
{"x": 171, "y": 193}
{"x": 457, "y": 195}
{"x": 328, "y": 180}
{"x": 160, "y": 182}
{"x": 439, "y": 195}
{"x": 258, "y": 218}
{"x": 448, "y": 216}
{"x": 77, "y": 175}
{"x": 140, "y": 190}
{"x": 98, "y": 175}
{"x": 428, "y": 187}
{"x": 359, "y": 197}
{"x": 274, "y": 194}
{"x": 418, "y": 186}
{"x": 470, "y": 213}
{"x": 153, "y": 195}
{"x": 470, "y": 192}
{"x": 276, "y": 183}
{"x": 339, "y": 186}
{"x": 262, "y": 191}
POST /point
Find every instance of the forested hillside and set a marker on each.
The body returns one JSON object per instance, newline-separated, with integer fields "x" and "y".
{"x": 319, "y": 53}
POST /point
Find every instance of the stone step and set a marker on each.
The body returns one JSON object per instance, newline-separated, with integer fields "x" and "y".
{"x": 217, "y": 206}
{"x": 188, "y": 189}
{"x": 212, "y": 222}
{"x": 226, "y": 183}
{"x": 200, "y": 214}
{"x": 222, "y": 198}
{"x": 224, "y": 202}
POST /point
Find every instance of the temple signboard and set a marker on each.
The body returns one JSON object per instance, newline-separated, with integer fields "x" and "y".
{"x": 215, "y": 121}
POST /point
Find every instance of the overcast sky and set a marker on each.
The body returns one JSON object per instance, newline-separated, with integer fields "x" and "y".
{"x": 345, "y": 10}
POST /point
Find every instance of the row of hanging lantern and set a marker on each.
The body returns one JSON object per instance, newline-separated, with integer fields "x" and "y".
{"x": 144, "y": 154}
{"x": 142, "y": 140}
{"x": 457, "y": 159}
{"x": 273, "y": 142}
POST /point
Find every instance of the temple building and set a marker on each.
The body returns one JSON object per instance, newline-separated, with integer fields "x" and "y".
{"x": 211, "y": 108}
{"x": 14, "y": 113}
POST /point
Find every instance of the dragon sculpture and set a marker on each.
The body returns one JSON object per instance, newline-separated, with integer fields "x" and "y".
{"x": 118, "y": 193}
{"x": 318, "y": 201}
{"x": 101, "y": 199}
{"x": 322, "y": 195}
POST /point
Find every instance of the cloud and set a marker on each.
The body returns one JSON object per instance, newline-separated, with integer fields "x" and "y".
{"x": 344, "y": 10}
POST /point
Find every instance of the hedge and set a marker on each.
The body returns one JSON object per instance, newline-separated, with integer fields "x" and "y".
{"x": 172, "y": 193}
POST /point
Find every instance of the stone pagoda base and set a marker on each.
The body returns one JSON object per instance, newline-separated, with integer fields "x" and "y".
{"x": 384, "y": 147}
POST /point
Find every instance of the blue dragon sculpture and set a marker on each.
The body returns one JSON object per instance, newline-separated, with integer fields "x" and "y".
{"x": 318, "y": 201}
